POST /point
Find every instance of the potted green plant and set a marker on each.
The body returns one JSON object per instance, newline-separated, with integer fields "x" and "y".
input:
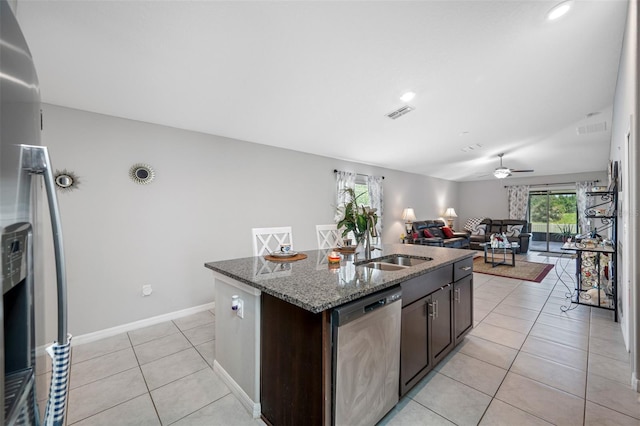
{"x": 566, "y": 231}
{"x": 356, "y": 218}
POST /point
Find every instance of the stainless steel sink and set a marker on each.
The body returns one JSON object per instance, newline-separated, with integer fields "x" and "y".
{"x": 405, "y": 260}
{"x": 395, "y": 262}
{"x": 383, "y": 266}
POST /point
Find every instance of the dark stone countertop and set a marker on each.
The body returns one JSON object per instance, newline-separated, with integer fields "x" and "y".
{"x": 313, "y": 285}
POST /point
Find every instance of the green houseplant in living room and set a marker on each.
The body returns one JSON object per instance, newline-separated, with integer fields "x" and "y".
{"x": 566, "y": 231}
{"x": 357, "y": 218}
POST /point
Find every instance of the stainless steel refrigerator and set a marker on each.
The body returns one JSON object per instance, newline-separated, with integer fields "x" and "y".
{"x": 26, "y": 178}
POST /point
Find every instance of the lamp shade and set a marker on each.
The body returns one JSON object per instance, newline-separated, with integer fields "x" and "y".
{"x": 450, "y": 212}
{"x": 408, "y": 215}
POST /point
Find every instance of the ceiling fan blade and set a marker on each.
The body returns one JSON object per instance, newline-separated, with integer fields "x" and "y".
{"x": 521, "y": 171}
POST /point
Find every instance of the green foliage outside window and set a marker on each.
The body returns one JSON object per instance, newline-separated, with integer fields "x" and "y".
{"x": 562, "y": 211}
{"x": 562, "y": 208}
{"x": 362, "y": 193}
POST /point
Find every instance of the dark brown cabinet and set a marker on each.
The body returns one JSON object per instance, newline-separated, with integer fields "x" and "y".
{"x": 462, "y": 307}
{"x": 415, "y": 356}
{"x": 462, "y": 298}
{"x": 437, "y": 313}
{"x": 441, "y": 323}
{"x": 427, "y": 335}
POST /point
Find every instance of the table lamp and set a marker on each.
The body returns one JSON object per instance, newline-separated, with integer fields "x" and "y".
{"x": 408, "y": 215}
{"x": 450, "y": 214}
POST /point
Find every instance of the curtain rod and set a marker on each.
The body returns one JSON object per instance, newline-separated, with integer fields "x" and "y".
{"x": 359, "y": 174}
{"x": 551, "y": 184}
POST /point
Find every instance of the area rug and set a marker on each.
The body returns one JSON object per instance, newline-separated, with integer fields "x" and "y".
{"x": 528, "y": 271}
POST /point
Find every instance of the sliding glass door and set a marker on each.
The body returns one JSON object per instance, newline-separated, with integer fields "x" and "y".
{"x": 553, "y": 219}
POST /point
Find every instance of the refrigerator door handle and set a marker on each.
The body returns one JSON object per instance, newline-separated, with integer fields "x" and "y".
{"x": 35, "y": 160}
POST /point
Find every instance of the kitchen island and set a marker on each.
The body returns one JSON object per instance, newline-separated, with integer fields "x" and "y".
{"x": 275, "y": 351}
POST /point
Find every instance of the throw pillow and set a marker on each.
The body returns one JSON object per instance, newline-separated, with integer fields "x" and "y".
{"x": 436, "y": 232}
{"x": 480, "y": 229}
{"x": 447, "y": 232}
{"x": 513, "y": 230}
{"x": 415, "y": 235}
{"x": 427, "y": 234}
{"x": 472, "y": 223}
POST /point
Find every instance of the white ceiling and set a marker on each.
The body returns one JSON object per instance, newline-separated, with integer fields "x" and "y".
{"x": 319, "y": 76}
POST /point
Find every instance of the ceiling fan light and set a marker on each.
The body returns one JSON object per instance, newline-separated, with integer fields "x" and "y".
{"x": 559, "y": 10}
{"x": 501, "y": 172}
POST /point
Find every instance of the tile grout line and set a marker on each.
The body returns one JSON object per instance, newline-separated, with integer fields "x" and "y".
{"x": 208, "y": 366}
{"x": 145, "y": 379}
{"x": 120, "y": 403}
{"x": 520, "y": 349}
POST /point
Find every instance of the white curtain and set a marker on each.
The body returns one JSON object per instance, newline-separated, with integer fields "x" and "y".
{"x": 581, "y": 200}
{"x": 376, "y": 198}
{"x": 343, "y": 180}
{"x": 518, "y": 201}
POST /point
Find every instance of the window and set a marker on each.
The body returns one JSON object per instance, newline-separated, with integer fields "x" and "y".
{"x": 362, "y": 192}
{"x": 553, "y": 217}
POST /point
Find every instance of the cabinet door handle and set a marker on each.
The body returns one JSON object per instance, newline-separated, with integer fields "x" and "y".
{"x": 457, "y": 295}
{"x": 430, "y": 309}
{"x": 435, "y": 309}
{"x": 465, "y": 268}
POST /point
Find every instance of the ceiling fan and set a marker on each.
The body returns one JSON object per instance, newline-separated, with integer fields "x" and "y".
{"x": 503, "y": 172}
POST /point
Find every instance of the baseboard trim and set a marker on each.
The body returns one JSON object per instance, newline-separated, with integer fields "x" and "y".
{"x": 108, "y": 332}
{"x": 252, "y": 407}
{"x": 635, "y": 382}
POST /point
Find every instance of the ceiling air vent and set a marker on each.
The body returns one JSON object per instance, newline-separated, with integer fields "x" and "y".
{"x": 592, "y": 128}
{"x": 400, "y": 112}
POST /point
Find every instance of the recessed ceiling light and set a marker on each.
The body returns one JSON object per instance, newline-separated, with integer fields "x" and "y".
{"x": 559, "y": 10}
{"x": 407, "y": 96}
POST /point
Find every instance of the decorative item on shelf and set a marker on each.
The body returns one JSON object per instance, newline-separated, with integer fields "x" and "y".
{"x": 142, "y": 173}
{"x": 358, "y": 219}
{"x": 66, "y": 180}
{"x": 450, "y": 214}
{"x": 408, "y": 215}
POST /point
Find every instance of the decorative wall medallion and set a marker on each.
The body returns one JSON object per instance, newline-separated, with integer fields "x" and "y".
{"x": 66, "y": 180}
{"x": 141, "y": 173}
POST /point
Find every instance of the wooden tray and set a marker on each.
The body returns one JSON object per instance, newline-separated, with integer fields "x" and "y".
{"x": 298, "y": 256}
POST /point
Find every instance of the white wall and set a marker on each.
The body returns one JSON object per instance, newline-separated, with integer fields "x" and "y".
{"x": 625, "y": 125}
{"x": 489, "y": 198}
{"x": 208, "y": 193}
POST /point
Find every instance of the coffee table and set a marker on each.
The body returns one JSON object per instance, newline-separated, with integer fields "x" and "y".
{"x": 497, "y": 251}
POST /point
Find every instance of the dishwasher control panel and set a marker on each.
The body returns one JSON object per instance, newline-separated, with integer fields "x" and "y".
{"x": 365, "y": 305}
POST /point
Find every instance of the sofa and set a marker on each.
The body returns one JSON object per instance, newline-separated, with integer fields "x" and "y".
{"x": 438, "y": 234}
{"x": 480, "y": 231}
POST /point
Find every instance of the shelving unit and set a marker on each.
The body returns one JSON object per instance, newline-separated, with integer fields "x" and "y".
{"x": 596, "y": 265}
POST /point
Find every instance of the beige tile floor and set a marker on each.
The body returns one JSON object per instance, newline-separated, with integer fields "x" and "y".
{"x": 525, "y": 363}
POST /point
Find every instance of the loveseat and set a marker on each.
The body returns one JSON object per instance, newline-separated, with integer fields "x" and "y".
{"x": 480, "y": 231}
{"x": 438, "y": 234}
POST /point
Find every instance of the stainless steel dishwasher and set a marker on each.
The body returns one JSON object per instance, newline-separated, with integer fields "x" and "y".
{"x": 366, "y": 358}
